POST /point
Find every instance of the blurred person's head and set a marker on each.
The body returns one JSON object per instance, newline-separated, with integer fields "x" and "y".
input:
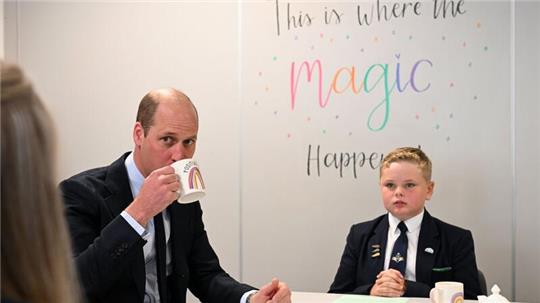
{"x": 36, "y": 258}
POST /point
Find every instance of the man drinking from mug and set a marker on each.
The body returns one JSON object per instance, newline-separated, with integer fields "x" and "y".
{"x": 131, "y": 242}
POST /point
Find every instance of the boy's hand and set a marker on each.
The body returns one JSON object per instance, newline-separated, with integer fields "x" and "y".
{"x": 389, "y": 283}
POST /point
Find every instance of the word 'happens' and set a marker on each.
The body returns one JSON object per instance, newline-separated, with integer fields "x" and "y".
{"x": 341, "y": 161}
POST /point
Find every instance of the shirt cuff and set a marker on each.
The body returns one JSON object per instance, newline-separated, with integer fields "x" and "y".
{"x": 134, "y": 224}
{"x": 245, "y": 295}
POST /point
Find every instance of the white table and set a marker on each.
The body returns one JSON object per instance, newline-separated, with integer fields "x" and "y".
{"x": 314, "y": 297}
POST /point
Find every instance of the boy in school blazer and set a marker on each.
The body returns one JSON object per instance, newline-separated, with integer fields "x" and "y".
{"x": 436, "y": 251}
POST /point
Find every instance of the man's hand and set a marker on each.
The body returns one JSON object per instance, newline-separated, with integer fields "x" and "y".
{"x": 157, "y": 192}
{"x": 273, "y": 292}
{"x": 389, "y": 283}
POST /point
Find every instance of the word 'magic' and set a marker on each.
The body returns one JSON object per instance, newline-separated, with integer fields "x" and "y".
{"x": 348, "y": 79}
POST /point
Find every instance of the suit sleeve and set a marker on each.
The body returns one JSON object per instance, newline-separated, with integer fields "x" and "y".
{"x": 208, "y": 281}
{"x": 345, "y": 280}
{"x": 466, "y": 270}
{"x": 102, "y": 253}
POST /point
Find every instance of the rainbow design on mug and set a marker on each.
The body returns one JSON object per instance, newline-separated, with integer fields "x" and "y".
{"x": 457, "y": 298}
{"x": 195, "y": 179}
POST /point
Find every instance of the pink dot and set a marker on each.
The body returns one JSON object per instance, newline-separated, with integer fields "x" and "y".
{"x": 289, "y": 136}
{"x": 464, "y": 44}
{"x": 322, "y": 35}
{"x": 417, "y": 117}
{"x": 451, "y": 84}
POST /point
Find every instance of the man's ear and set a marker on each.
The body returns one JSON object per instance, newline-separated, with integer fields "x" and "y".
{"x": 138, "y": 134}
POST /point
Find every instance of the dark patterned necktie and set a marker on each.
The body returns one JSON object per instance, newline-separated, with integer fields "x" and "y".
{"x": 161, "y": 253}
{"x": 398, "y": 259}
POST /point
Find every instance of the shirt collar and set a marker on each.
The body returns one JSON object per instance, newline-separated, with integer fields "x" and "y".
{"x": 136, "y": 179}
{"x": 413, "y": 224}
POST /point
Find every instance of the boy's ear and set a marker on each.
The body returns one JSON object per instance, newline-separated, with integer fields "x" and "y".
{"x": 431, "y": 187}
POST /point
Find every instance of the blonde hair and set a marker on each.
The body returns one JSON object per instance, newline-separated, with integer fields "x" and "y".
{"x": 408, "y": 154}
{"x": 36, "y": 256}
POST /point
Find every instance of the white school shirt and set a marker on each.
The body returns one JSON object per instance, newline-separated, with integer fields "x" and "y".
{"x": 413, "y": 232}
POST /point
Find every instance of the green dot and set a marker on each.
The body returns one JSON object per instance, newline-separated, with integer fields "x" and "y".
{"x": 324, "y": 131}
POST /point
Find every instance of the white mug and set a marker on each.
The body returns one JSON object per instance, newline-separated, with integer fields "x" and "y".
{"x": 447, "y": 292}
{"x": 191, "y": 182}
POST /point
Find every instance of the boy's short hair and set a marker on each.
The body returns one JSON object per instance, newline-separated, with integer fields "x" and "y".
{"x": 408, "y": 154}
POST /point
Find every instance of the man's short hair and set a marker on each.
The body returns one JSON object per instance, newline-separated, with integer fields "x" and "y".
{"x": 146, "y": 111}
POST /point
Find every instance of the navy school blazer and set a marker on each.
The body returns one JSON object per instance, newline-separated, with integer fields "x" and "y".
{"x": 445, "y": 253}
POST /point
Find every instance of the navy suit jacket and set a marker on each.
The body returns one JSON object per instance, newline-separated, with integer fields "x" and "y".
{"x": 452, "y": 258}
{"x": 109, "y": 253}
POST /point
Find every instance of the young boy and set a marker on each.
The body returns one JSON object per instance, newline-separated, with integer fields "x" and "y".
{"x": 381, "y": 260}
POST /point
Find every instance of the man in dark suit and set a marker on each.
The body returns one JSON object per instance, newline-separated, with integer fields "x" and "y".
{"x": 431, "y": 250}
{"x": 131, "y": 241}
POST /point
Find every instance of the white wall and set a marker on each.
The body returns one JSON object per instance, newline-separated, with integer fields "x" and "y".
{"x": 527, "y": 203}
{"x": 92, "y": 62}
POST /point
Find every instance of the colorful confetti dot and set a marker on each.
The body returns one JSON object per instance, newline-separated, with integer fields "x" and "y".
{"x": 289, "y": 136}
{"x": 417, "y": 116}
{"x": 321, "y": 35}
{"x": 485, "y": 48}
{"x": 478, "y": 24}
{"x": 324, "y": 131}
{"x": 274, "y": 58}
{"x": 437, "y": 127}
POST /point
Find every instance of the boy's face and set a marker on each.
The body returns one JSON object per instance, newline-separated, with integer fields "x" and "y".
{"x": 404, "y": 189}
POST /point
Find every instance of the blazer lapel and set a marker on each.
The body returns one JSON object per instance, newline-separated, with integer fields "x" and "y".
{"x": 428, "y": 248}
{"x": 117, "y": 182}
{"x": 376, "y": 247}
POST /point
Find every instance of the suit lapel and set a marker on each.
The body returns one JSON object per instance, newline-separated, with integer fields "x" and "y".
{"x": 117, "y": 181}
{"x": 377, "y": 248}
{"x": 428, "y": 248}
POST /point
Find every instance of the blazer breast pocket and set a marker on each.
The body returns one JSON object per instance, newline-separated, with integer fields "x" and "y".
{"x": 441, "y": 274}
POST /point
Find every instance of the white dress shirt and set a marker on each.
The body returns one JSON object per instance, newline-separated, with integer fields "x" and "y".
{"x": 413, "y": 232}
